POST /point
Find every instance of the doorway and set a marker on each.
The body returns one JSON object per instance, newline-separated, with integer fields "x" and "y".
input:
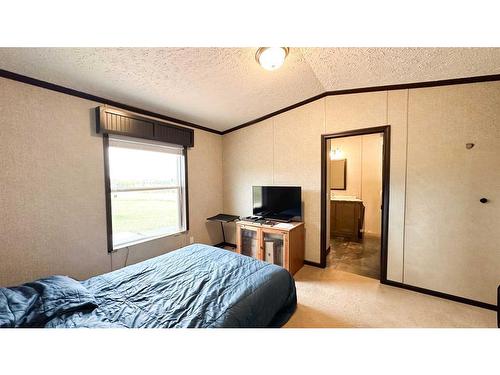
{"x": 355, "y": 201}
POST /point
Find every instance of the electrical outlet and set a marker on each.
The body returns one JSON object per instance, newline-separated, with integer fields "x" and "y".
{"x": 191, "y": 239}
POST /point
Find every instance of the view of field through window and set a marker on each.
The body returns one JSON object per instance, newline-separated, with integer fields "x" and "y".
{"x": 145, "y": 193}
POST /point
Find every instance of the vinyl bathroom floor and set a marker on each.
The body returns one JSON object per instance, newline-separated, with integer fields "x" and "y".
{"x": 361, "y": 258}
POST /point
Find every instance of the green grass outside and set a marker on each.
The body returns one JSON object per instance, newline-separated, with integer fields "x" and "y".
{"x": 140, "y": 212}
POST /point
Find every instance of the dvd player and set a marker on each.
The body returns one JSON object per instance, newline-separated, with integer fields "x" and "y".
{"x": 259, "y": 220}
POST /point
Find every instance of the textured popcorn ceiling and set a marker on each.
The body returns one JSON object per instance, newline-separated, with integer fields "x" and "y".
{"x": 224, "y": 87}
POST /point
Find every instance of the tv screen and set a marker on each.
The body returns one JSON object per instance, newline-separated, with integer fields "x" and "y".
{"x": 277, "y": 202}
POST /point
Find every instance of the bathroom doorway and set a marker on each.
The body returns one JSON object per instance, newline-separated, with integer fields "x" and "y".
{"x": 354, "y": 203}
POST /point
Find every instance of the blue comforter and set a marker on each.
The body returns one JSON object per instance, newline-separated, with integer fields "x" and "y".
{"x": 196, "y": 286}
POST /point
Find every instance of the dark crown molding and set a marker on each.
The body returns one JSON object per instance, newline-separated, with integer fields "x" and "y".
{"x": 83, "y": 95}
{"x": 403, "y": 86}
{"x": 98, "y": 99}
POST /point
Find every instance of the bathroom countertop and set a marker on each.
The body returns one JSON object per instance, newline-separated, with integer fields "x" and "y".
{"x": 346, "y": 199}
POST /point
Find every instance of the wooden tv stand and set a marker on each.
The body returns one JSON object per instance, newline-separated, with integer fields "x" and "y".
{"x": 281, "y": 244}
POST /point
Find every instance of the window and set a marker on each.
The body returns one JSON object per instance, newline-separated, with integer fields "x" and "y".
{"x": 147, "y": 184}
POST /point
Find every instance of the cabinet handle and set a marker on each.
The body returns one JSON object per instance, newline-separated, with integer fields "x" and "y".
{"x": 483, "y": 200}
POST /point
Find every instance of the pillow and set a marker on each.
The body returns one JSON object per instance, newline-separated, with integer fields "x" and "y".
{"x": 34, "y": 304}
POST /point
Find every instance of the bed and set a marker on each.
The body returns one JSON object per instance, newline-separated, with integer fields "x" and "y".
{"x": 195, "y": 286}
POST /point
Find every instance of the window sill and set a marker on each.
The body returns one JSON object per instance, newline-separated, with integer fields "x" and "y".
{"x": 143, "y": 240}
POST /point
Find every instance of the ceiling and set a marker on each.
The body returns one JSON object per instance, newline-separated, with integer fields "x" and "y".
{"x": 221, "y": 88}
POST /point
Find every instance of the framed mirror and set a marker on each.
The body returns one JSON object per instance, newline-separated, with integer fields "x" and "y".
{"x": 338, "y": 174}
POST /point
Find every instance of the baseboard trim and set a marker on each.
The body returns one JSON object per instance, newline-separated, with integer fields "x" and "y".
{"x": 228, "y": 244}
{"x": 314, "y": 264}
{"x": 440, "y": 295}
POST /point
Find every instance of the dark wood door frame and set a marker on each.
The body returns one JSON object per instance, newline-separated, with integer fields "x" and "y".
{"x": 386, "y": 159}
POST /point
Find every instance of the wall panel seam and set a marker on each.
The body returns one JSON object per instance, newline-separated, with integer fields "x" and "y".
{"x": 274, "y": 147}
{"x": 361, "y": 169}
{"x": 387, "y": 107}
{"x": 406, "y": 183}
{"x": 324, "y": 113}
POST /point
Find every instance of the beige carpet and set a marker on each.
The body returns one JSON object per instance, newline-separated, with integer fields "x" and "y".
{"x": 333, "y": 298}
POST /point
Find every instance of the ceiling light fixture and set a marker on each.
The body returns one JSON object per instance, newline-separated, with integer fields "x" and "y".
{"x": 271, "y": 58}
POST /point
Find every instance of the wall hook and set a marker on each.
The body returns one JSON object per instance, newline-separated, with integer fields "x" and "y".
{"x": 468, "y": 146}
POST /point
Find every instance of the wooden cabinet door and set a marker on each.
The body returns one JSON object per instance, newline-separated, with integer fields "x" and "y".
{"x": 274, "y": 247}
{"x": 248, "y": 241}
{"x": 344, "y": 219}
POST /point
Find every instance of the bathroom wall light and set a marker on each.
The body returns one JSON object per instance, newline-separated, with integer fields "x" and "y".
{"x": 271, "y": 58}
{"x": 336, "y": 154}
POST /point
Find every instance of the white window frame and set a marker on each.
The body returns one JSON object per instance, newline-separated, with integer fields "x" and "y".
{"x": 143, "y": 144}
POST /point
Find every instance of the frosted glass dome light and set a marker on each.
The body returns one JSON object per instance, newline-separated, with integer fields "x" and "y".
{"x": 271, "y": 58}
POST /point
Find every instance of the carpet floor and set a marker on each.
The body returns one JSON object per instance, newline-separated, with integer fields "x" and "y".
{"x": 329, "y": 298}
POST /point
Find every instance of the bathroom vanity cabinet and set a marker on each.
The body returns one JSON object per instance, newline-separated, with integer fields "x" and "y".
{"x": 346, "y": 218}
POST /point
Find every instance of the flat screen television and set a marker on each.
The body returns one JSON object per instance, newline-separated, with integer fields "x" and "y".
{"x": 281, "y": 203}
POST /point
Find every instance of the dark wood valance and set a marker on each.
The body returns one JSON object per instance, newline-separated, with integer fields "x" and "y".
{"x": 115, "y": 121}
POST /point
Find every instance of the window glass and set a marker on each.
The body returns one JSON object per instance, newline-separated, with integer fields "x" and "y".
{"x": 147, "y": 190}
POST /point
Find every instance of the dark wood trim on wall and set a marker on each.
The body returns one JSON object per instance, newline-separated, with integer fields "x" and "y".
{"x": 323, "y": 228}
{"x": 186, "y": 187}
{"x": 275, "y": 113}
{"x": 386, "y": 179}
{"x": 114, "y": 121}
{"x": 107, "y": 191}
{"x": 385, "y": 129}
{"x": 386, "y": 132}
{"x": 314, "y": 264}
{"x": 403, "y": 86}
{"x": 83, "y": 95}
{"x": 440, "y": 294}
{"x": 414, "y": 85}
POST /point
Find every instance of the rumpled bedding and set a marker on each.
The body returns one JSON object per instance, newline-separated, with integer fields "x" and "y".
{"x": 35, "y": 304}
{"x": 196, "y": 286}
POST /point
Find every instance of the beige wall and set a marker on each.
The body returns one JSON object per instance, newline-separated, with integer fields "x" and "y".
{"x": 248, "y": 157}
{"x": 351, "y": 148}
{"x": 363, "y": 156}
{"x": 52, "y": 203}
{"x": 397, "y": 111}
{"x": 284, "y": 150}
{"x": 371, "y": 182}
{"x": 358, "y": 111}
{"x": 328, "y": 196}
{"x": 452, "y": 241}
{"x": 440, "y": 237}
{"x": 52, "y": 215}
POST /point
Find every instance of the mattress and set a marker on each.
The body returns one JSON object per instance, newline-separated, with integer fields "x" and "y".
{"x": 195, "y": 286}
